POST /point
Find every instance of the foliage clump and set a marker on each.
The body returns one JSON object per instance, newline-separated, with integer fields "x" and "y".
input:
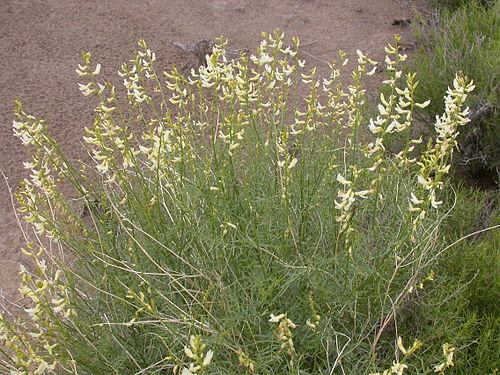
{"x": 236, "y": 220}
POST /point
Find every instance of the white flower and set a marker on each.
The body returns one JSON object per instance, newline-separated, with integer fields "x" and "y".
{"x": 265, "y": 58}
{"x": 85, "y": 89}
{"x": 373, "y": 128}
{"x": 309, "y": 324}
{"x": 400, "y": 346}
{"x": 208, "y": 358}
{"x": 398, "y": 368}
{"x": 434, "y": 202}
{"x": 364, "y": 193}
{"x": 415, "y": 200}
{"x": 425, "y": 182}
{"x": 293, "y": 163}
{"x": 342, "y": 180}
{"x": 276, "y": 318}
{"x": 97, "y": 69}
{"x": 189, "y": 353}
{"x": 424, "y": 104}
{"x": 372, "y": 72}
{"x": 392, "y": 125}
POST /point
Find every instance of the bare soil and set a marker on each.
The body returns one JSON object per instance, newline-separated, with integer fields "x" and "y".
{"x": 41, "y": 42}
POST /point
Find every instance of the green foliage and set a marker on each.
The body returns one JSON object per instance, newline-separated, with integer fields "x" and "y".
{"x": 467, "y": 40}
{"x": 237, "y": 221}
{"x": 454, "y": 4}
{"x": 466, "y": 303}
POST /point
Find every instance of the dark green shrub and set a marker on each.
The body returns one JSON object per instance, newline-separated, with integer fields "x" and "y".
{"x": 465, "y": 40}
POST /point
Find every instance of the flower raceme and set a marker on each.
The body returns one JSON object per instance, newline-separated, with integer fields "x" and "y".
{"x": 434, "y": 164}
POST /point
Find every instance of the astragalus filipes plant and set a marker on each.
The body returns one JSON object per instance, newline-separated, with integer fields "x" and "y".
{"x": 217, "y": 198}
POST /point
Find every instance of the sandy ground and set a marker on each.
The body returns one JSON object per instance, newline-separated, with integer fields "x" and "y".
{"x": 41, "y": 42}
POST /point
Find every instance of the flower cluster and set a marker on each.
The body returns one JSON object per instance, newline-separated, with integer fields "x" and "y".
{"x": 144, "y": 303}
{"x": 395, "y": 111}
{"x": 355, "y": 98}
{"x": 434, "y": 164}
{"x": 395, "y": 116}
{"x": 106, "y": 135}
{"x": 160, "y": 148}
{"x": 26, "y": 356}
{"x": 348, "y": 196}
{"x": 284, "y": 332}
{"x": 44, "y": 288}
{"x": 33, "y": 349}
{"x": 91, "y": 87}
{"x": 196, "y": 352}
{"x": 314, "y": 323}
{"x": 448, "y": 353}
{"x": 46, "y": 169}
{"x": 250, "y": 90}
{"x": 417, "y": 344}
{"x": 133, "y": 77}
{"x": 245, "y": 361}
{"x": 398, "y": 367}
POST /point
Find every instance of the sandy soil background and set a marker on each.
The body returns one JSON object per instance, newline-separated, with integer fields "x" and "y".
{"x": 41, "y": 42}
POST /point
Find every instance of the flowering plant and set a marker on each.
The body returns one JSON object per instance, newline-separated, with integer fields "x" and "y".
{"x": 211, "y": 199}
